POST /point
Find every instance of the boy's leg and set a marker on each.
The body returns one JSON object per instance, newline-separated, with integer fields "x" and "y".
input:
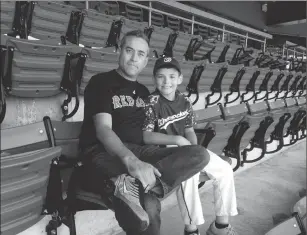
{"x": 176, "y": 164}
{"x": 221, "y": 173}
{"x": 224, "y": 193}
{"x": 189, "y": 203}
{"x": 223, "y": 182}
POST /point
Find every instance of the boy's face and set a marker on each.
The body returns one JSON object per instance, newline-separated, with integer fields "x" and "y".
{"x": 167, "y": 80}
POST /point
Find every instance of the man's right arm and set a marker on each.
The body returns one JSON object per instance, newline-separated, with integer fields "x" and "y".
{"x": 141, "y": 170}
{"x": 111, "y": 142}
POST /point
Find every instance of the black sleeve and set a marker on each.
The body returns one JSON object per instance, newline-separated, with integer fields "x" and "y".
{"x": 190, "y": 120}
{"x": 98, "y": 96}
{"x": 150, "y": 116}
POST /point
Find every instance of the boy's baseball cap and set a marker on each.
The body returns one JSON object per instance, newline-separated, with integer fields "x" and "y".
{"x": 166, "y": 61}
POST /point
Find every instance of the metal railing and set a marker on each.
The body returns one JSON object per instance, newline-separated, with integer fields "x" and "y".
{"x": 202, "y": 14}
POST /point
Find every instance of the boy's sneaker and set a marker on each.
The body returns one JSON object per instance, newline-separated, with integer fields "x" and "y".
{"x": 196, "y": 232}
{"x": 213, "y": 230}
{"x": 130, "y": 191}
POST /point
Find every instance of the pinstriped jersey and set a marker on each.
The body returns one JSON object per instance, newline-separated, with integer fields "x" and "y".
{"x": 168, "y": 117}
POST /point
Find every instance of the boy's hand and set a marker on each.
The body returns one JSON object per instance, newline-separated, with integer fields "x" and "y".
{"x": 181, "y": 141}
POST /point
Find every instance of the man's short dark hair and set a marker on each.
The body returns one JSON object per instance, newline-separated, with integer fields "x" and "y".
{"x": 135, "y": 33}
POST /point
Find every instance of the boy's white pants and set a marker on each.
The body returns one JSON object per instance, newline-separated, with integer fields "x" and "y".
{"x": 225, "y": 201}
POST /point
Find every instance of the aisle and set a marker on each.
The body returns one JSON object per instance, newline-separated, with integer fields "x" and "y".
{"x": 263, "y": 190}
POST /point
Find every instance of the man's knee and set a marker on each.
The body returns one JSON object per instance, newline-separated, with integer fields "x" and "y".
{"x": 200, "y": 156}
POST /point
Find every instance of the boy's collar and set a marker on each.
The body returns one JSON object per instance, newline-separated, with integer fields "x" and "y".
{"x": 177, "y": 92}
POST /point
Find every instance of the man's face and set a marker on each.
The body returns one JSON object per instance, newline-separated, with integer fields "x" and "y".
{"x": 133, "y": 56}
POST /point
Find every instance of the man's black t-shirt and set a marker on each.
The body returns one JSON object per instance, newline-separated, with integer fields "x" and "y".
{"x": 123, "y": 99}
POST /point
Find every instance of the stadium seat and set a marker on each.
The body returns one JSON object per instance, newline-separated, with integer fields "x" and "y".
{"x": 292, "y": 107}
{"x": 231, "y": 83}
{"x": 134, "y": 13}
{"x": 129, "y": 25}
{"x": 247, "y": 85}
{"x": 7, "y": 17}
{"x": 214, "y": 34}
{"x": 224, "y": 133}
{"x": 158, "y": 40}
{"x": 301, "y": 88}
{"x": 281, "y": 116}
{"x": 173, "y": 23}
{"x": 293, "y": 86}
{"x": 97, "y": 61}
{"x": 298, "y": 121}
{"x": 291, "y": 226}
{"x": 52, "y": 20}
{"x": 37, "y": 67}
{"x": 181, "y": 44}
{"x": 24, "y": 180}
{"x": 24, "y": 138}
{"x": 256, "y": 136}
{"x": 43, "y": 68}
{"x": 263, "y": 86}
{"x": 205, "y": 132}
{"x": 207, "y": 77}
{"x": 193, "y": 87}
{"x": 199, "y": 50}
{"x": 202, "y": 31}
{"x": 218, "y": 55}
{"x": 157, "y": 19}
{"x": 285, "y": 86}
{"x": 100, "y": 7}
{"x": 27, "y": 157}
{"x": 16, "y": 18}
{"x": 233, "y": 53}
{"x": 96, "y": 28}
{"x": 187, "y": 27}
{"x": 213, "y": 76}
{"x": 187, "y": 68}
{"x": 274, "y": 84}
{"x": 245, "y": 57}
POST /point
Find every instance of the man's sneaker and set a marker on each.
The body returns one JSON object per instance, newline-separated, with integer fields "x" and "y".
{"x": 213, "y": 230}
{"x": 191, "y": 233}
{"x": 130, "y": 191}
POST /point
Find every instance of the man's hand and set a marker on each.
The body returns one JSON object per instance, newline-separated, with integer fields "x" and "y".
{"x": 144, "y": 172}
{"x": 181, "y": 141}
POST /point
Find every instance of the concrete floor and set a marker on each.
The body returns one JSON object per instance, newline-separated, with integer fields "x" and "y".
{"x": 263, "y": 190}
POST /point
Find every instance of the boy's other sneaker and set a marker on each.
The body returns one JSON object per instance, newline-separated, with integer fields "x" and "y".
{"x": 213, "y": 230}
{"x": 130, "y": 191}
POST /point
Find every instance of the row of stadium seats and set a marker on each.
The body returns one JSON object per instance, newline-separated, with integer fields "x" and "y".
{"x": 29, "y": 189}
{"x": 44, "y": 68}
{"x": 51, "y": 20}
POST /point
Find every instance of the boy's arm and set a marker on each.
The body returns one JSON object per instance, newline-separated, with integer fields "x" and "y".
{"x": 190, "y": 135}
{"x": 189, "y": 132}
{"x": 157, "y": 138}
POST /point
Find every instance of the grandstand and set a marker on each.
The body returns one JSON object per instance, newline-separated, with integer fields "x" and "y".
{"x": 248, "y": 89}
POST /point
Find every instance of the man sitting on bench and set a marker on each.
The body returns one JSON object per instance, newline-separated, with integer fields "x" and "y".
{"x": 111, "y": 141}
